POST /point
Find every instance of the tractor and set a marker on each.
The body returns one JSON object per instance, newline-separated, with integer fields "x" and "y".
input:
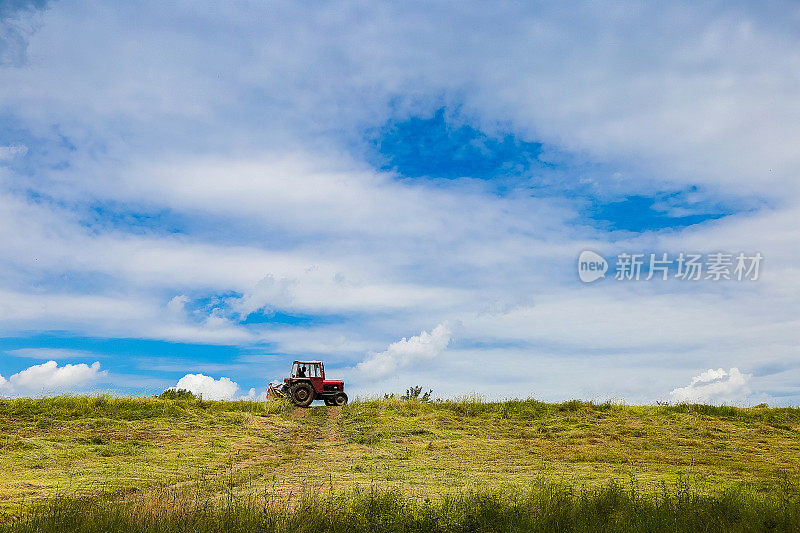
{"x": 307, "y": 383}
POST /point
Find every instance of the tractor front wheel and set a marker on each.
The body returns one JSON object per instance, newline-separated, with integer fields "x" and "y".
{"x": 339, "y": 398}
{"x": 302, "y": 394}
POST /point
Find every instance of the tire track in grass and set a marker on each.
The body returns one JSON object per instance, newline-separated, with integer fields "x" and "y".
{"x": 271, "y": 453}
{"x": 333, "y": 424}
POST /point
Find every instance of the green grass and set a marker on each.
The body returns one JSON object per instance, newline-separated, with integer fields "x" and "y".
{"x": 544, "y": 508}
{"x": 128, "y": 452}
{"x": 60, "y": 408}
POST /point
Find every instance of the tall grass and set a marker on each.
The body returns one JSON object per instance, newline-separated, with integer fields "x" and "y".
{"x": 542, "y": 508}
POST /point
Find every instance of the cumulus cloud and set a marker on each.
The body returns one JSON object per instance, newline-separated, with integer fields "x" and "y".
{"x": 254, "y": 396}
{"x": 714, "y": 386}
{"x": 49, "y": 378}
{"x": 405, "y": 352}
{"x": 208, "y": 387}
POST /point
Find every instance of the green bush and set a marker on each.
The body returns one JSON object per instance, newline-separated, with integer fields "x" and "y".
{"x": 177, "y": 394}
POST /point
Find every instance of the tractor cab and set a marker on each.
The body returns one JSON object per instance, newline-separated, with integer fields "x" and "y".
{"x": 308, "y": 369}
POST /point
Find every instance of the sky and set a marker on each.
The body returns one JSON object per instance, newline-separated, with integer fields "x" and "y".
{"x": 196, "y": 194}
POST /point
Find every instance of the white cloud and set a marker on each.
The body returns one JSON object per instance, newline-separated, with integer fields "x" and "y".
{"x": 208, "y": 387}
{"x": 254, "y": 396}
{"x": 50, "y": 353}
{"x": 268, "y": 294}
{"x": 49, "y": 378}
{"x": 177, "y": 305}
{"x": 690, "y": 94}
{"x": 406, "y": 352}
{"x": 714, "y": 387}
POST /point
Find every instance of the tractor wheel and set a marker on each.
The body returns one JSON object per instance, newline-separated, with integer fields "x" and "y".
{"x": 339, "y": 398}
{"x": 302, "y": 394}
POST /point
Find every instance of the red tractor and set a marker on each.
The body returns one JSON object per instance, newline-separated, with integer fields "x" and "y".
{"x": 307, "y": 383}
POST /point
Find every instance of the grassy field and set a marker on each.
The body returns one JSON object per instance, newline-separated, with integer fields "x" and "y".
{"x": 168, "y": 454}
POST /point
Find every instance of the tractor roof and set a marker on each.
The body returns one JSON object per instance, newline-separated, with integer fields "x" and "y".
{"x": 306, "y": 362}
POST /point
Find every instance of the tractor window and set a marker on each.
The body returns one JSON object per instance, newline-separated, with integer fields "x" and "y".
{"x": 309, "y": 370}
{"x": 301, "y": 371}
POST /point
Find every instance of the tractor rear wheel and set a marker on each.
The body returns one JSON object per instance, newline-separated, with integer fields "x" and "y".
{"x": 339, "y": 398}
{"x": 302, "y": 394}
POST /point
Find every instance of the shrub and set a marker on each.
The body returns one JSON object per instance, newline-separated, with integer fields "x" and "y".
{"x": 177, "y": 394}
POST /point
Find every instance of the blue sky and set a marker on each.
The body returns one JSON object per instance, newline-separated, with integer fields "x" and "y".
{"x": 401, "y": 190}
